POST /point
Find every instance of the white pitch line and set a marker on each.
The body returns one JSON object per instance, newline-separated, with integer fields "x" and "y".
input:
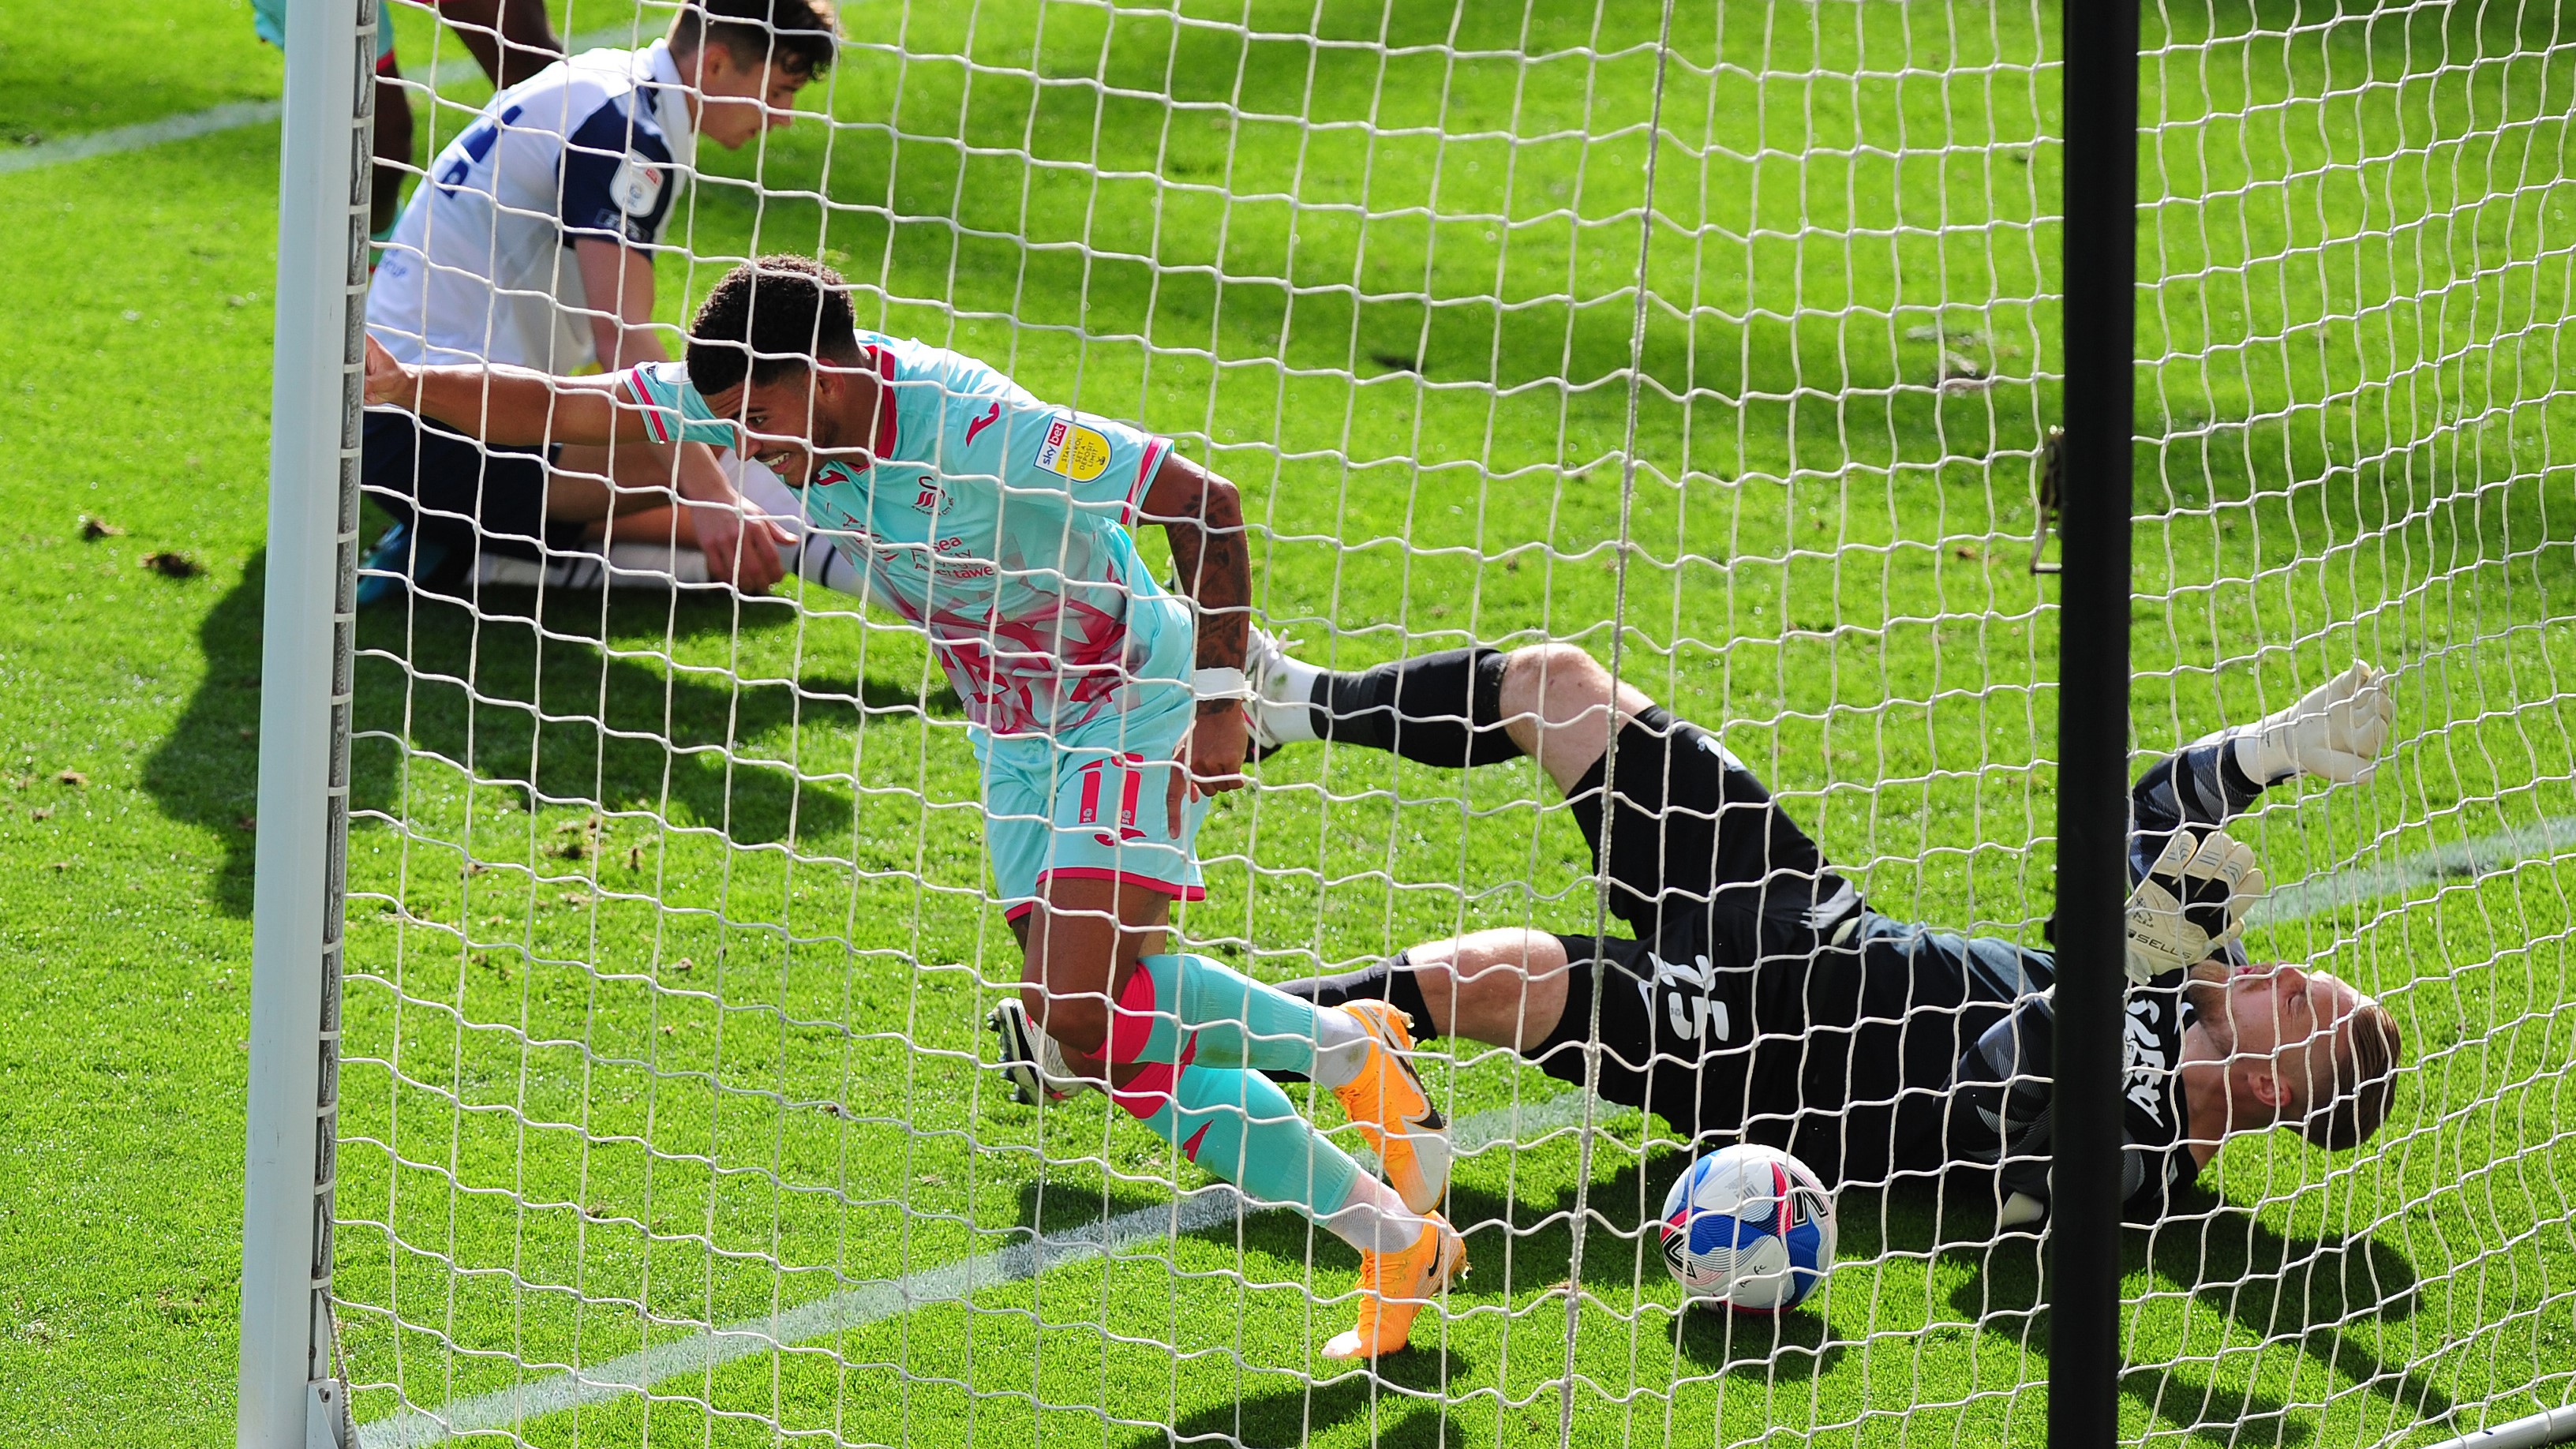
{"x": 856, "y": 1307}
{"x": 956, "y": 1282}
{"x": 2467, "y": 860}
{"x": 119, "y": 139}
{"x": 134, "y": 138}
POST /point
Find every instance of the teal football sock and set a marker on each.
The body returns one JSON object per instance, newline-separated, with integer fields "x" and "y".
{"x": 1234, "y": 1020}
{"x": 1240, "y": 1126}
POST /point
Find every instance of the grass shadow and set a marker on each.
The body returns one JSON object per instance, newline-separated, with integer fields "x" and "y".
{"x": 523, "y": 696}
{"x": 2289, "y": 1290}
{"x": 1401, "y": 1396}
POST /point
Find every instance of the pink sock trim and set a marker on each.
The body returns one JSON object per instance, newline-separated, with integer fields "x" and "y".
{"x": 1131, "y": 1021}
{"x": 1131, "y": 1026}
{"x": 1151, "y": 1091}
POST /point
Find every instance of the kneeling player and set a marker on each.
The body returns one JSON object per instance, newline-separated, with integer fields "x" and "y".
{"x": 511, "y": 39}
{"x": 1759, "y": 996}
{"x": 1102, "y": 708}
{"x": 531, "y": 241}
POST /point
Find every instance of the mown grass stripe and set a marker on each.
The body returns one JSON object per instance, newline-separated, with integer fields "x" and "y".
{"x": 2468, "y": 860}
{"x": 119, "y": 139}
{"x": 950, "y": 1283}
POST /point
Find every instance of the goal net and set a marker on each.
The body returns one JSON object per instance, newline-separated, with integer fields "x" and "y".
{"x": 1719, "y": 340}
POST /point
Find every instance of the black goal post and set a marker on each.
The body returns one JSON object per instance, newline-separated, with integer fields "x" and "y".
{"x": 2101, "y": 167}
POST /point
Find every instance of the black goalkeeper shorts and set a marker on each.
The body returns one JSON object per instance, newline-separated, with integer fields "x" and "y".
{"x": 1841, "y": 1054}
{"x": 1669, "y": 1045}
{"x": 1758, "y": 997}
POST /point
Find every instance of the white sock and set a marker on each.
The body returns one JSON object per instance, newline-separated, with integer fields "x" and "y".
{"x": 1300, "y": 676}
{"x": 1289, "y": 724}
{"x": 508, "y": 571}
{"x": 1341, "y": 1048}
{"x": 1375, "y": 1220}
{"x": 654, "y": 565}
{"x": 1290, "y": 719}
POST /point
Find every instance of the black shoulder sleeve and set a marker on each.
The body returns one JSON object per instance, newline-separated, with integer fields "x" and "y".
{"x": 2198, "y": 785}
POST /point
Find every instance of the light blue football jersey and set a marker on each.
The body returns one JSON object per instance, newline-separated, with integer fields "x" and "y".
{"x": 998, "y": 523}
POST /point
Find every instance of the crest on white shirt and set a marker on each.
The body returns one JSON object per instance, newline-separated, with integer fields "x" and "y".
{"x": 637, "y": 186}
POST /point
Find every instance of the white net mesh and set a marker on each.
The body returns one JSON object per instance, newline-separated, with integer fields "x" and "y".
{"x": 671, "y": 929}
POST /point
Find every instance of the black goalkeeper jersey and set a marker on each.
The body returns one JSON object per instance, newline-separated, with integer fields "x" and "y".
{"x": 1762, "y": 998}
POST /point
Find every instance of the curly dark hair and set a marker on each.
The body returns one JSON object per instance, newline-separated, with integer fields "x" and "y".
{"x": 767, "y": 318}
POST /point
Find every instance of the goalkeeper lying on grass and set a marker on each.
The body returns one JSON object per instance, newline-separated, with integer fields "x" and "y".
{"x": 1760, "y": 996}
{"x": 1103, "y": 710}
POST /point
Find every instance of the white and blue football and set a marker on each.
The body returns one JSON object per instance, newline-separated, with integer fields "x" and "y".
{"x": 1749, "y": 1227}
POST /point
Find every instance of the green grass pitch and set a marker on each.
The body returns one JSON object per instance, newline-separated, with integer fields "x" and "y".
{"x": 667, "y": 935}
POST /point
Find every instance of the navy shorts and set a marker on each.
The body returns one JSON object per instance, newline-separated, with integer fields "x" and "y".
{"x": 469, "y": 495}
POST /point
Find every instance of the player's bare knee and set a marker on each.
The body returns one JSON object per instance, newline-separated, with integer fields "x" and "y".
{"x": 1506, "y": 987}
{"x": 1544, "y": 685}
{"x": 1561, "y": 706}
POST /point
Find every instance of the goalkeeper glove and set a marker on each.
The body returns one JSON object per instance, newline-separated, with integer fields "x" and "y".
{"x": 2192, "y": 901}
{"x": 2334, "y": 732}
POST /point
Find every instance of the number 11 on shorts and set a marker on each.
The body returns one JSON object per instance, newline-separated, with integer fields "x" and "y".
{"x": 1130, "y": 783}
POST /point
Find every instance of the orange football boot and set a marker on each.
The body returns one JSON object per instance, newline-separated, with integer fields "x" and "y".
{"x": 1394, "y": 1113}
{"x": 1394, "y": 1287}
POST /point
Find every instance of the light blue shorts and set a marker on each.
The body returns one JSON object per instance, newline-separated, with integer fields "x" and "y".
{"x": 268, "y": 22}
{"x": 1091, "y": 804}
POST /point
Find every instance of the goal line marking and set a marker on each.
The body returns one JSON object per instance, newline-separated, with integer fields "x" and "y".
{"x": 1213, "y": 1206}
{"x": 143, "y": 134}
{"x": 2468, "y": 860}
{"x": 950, "y": 1283}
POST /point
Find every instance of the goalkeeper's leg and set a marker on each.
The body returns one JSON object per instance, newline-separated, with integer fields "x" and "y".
{"x": 1693, "y": 829}
{"x": 1456, "y": 709}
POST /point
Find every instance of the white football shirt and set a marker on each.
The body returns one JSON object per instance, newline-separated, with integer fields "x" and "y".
{"x": 480, "y": 266}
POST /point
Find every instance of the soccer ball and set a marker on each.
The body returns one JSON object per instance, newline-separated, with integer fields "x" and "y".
{"x": 1749, "y": 1227}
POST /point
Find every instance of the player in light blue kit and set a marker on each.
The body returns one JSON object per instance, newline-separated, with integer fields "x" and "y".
{"x": 1104, "y": 711}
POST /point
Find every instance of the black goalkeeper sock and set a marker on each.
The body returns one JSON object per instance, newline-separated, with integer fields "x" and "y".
{"x": 1392, "y": 981}
{"x": 1443, "y": 709}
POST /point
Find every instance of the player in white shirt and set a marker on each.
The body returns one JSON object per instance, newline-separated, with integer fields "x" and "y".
{"x": 530, "y": 242}
{"x": 511, "y": 39}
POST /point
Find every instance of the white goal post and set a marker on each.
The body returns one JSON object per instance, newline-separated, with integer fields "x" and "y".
{"x": 618, "y": 1068}
{"x": 290, "y": 1394}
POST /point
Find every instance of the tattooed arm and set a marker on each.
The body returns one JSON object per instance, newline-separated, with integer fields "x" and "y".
{"x": 1202, "y": 515}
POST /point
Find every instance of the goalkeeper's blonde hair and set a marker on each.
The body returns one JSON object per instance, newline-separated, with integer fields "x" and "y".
{"x": 2368, "y": 1050}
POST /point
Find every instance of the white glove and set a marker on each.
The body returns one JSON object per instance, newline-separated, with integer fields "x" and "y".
{"x": 2334, "y": 732}
{"x": 2192, "y": 902}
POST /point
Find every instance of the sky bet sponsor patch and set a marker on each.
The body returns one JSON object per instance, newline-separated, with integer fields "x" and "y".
{"x": 1072, "y": 450}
